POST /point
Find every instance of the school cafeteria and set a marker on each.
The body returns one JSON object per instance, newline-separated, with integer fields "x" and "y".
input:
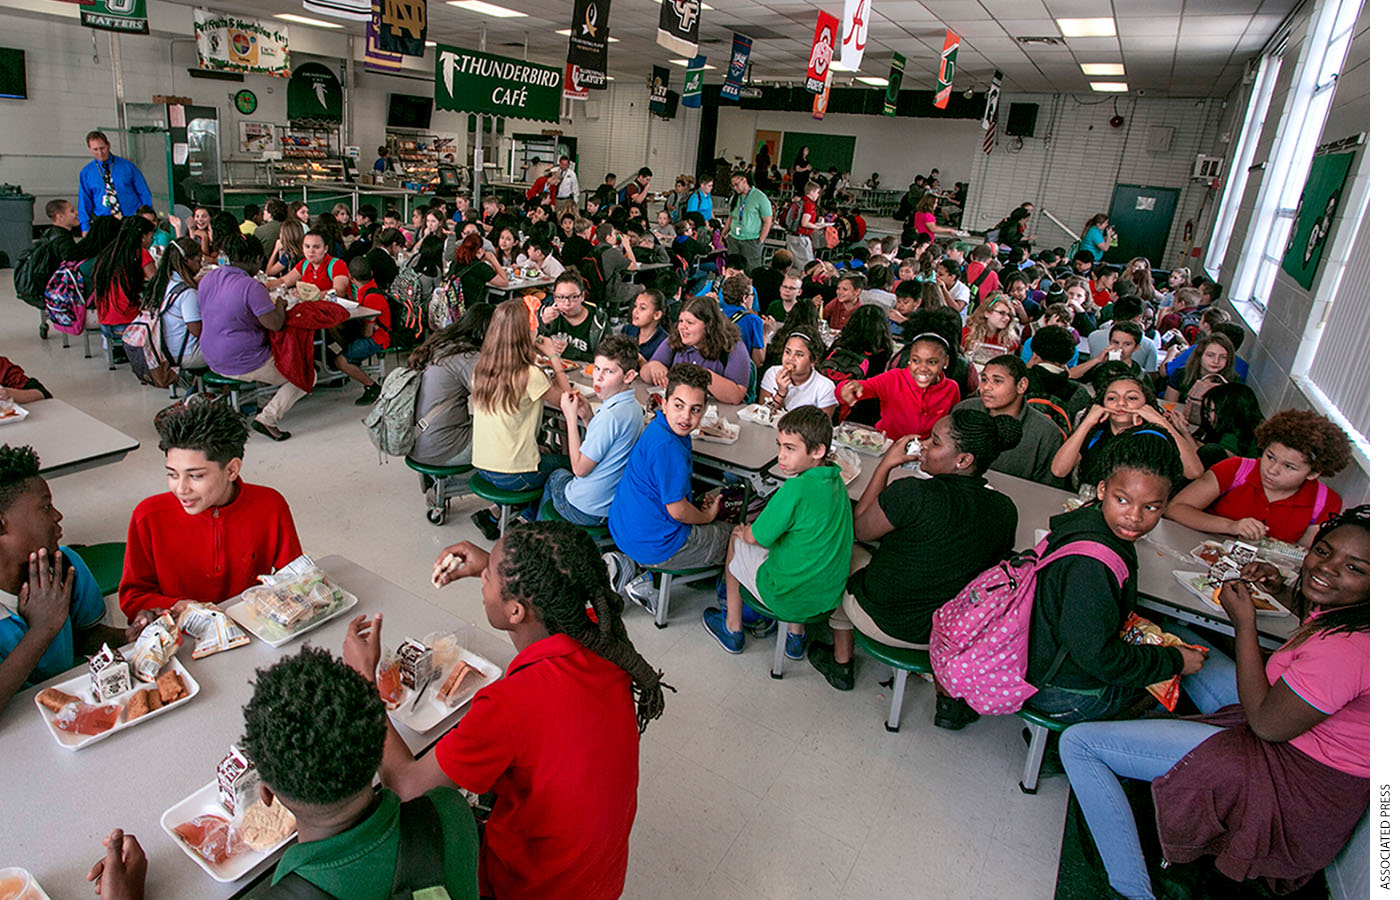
{"x": 680, "y": 450}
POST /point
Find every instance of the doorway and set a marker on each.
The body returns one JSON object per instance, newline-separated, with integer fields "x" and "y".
{"x": 1142, "y": 216}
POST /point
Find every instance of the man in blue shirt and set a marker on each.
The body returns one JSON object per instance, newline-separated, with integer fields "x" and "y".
{"x": 109, "y": 185}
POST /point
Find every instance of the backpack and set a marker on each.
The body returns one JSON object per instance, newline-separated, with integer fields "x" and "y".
{"x": 392, "y": 427}
{"x": 35, "y": 267}
{"x": 408, "y": 307}
{"x": 65, "y": 301}
{"x": 844, "y": 364}
{"x": 144, "y": 343}
{"x": 1247, "y": 465}
{"x": 792, "y": 216}
{"x": 980, "y": 643}
{"x": 419, "y": 870}
{"x": 1054, "y": 412}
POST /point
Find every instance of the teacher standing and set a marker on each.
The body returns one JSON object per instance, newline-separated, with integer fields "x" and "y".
{"x": 109, "y": 185}
{"x": 750, "y": 220}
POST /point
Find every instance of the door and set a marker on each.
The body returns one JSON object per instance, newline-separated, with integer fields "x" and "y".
{"x": 1142, "y": 216}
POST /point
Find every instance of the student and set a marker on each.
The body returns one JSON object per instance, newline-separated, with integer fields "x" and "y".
{"x": 704, "y": 337}
{"x": 447, "y": 360}
{"x": 1302, "y": 717}
{"x": 934, "y": 535}
{"x": 274, "y": 215}
{"x": 1003, "y": 393}
{"x": 1095, "y": 239}
{"x": 1126, "y": 310}
{"x": 556, "y": 739}
{"x": 357, "y": 340}
{"x": 737, "y": 297}
{"x": 574, "y": 326}
{"x": 796, "y": 382}
{"x": 583, "y": 492}
{"x": 700, "y": 200}
{"x": 51, "y": 606}
{"x": 1049, "y": 378}
{"x": 1124, "y": 342}
{"x": 799, "y": 241}
{"x": 173, "y": 295}
{"x": 541, "y": 255}
{"x": 63, "y": 224}
{"x": 1229, "y": 415}
{"x": 476, "y": 269}
{"x": 647, "y": 327}
{"x": 653, "y": 520}
{"x": 1079, "y": 606}
{"x": 1102, "y": 292}
{"x": 508, "y": 395}
{"x": 914, "y": 397}
{"x": 1279, "y": 495}
{"x": 908, "y": 297}
{"x": 1211, "y": 364}
{"x": 18, "y": 386}
{"x": 863, "y": 350}
{"x": 992, "y": 323}
{"x": 286, "y": 253}
{"x": 120, "y": 274}
{"x": 1061, "y": 316}
{"x": 318, "y": 267}
{"x": 839, "y": 311}
{"x": 796, "y": 555}
{"x": 789, "y": 295}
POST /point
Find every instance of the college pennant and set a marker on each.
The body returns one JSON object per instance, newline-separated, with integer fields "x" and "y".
{"x": 855, "y": 28}
{"x": 738, "y": 66}
{"x": 823, "y": 49}
{"x": 679, "y": 30}
{"x": 375, "y": 58}
{"x": 588, "y": 43}
{"x": 946, "y": 69}
{"x": 896, "y": 79}
{"x": 694, "y": 83}
{"x": 660, "y": 82}
{"x": 573, "y": 88}
{"x": 403, "y": 26}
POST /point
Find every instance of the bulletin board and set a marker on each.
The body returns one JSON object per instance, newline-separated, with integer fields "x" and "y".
{"x": 825, "y": 150}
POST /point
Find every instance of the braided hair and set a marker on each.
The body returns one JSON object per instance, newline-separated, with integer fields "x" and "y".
{"x": 984, "y": 436}
{"x": 1342, "y": 619}
{"x": 555, "y": 569}
{"x": 1145, "y": 448}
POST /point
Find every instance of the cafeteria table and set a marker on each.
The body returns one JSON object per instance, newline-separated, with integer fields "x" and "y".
{"x": 67, "y": 439}
{"x": 518, "y": 284}
{"x": 62, "y": 803}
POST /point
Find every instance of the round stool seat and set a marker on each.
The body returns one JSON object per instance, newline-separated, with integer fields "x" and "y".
{"x": 757, "y": 606}
{"x": 488, "y": 491}
{"x": 435, "y": 471}
{"x": 549, "y": 514}
{"x": 895, "y": 657}
{"x": 1036, "y": 717}
{"x": 212, "y": 377}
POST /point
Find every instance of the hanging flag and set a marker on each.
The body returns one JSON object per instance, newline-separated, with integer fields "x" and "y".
{"x": 820, "y": 101}
{"x": 588, "y": 43}
{"x": 314, "y": 96}
{"x": 573, "y": 88}
{"x": 354, "y": 10}
{"x": 694, "y": 83}
{"x": 403, "y": 26}
{"x": 376, "y": 60}
{"x": 127, "y": 16}
{"x": 896, "y": 79}
{"x": 946, "y": 69}
{"x": 738, "y": 66}
{"x": 823, "y": 49}
{"x": 680, "y": 27}
{"x": 228, "y": 43}
{"x": 855, "y": 28}
{"x": 989, "y": 113}
{"x": 660, "y": 81}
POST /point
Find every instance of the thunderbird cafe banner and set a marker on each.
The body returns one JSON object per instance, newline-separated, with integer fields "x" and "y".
{"x": 475, "y": 82}
{"x": 229, "y": 43}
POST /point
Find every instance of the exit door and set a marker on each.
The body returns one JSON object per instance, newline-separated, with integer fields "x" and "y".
{"x": 1142, "y": 216}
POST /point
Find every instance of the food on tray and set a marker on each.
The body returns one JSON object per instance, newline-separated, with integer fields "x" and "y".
{"x": 212, "y": 837}
{"x": 53, "y": 699}
{"x": 720, "y": 430}
{"x": 143, "y": 701}
{"x": 263, "y": 827}
{"x": 86, "y": 719}
{"x": 1209, "y": 552}
{"x": 110, "y": 673}
{"x": 459, "y": 682}
{"x": 1260, "y": 601}
{"x": 389, "y": 679}
{"x": 295, "y": 601}
{"x": 864, "y": 439}
{"x": 757, "y": 413}
{"x": 171, "y": 687}
{"x": 9, "y": 411}
{"x": 212, "y": 630}
{"x": 154, "y": 648}
{"x": 848, "y": 463}
{"x": 307, "y": 291}
{"x": 1281, "y": 550}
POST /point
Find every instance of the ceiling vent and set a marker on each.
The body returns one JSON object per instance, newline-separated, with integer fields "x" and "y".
{"x": 1048, "y": 41}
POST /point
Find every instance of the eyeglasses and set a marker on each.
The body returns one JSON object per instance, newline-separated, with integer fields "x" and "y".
{"x": 558, "y": 297}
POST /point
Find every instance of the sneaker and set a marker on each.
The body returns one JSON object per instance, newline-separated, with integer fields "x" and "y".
{"x": 796, "y": 645}
{"x": 757, "y": 624}
{"x": 954, "y": 714}
{"x": 642, "y": 592}
{"x": 371, "y": 394}
{"x": 621, "y": 570}
{"x": 841, "y": 676}
{"x": 731, "y": 641}
{"x": 486, "y": 524}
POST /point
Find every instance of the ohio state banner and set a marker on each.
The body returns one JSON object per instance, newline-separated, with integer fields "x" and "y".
{"x": 823, "y": 48}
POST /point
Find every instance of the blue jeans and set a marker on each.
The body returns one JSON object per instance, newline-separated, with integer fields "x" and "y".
{"x": 526, "y": 481}
{"x": 1096, "y": 754}
{"x": 1065, "y": 705}
{"x": 554, "y": 492}
{"x": 113, "y": 333}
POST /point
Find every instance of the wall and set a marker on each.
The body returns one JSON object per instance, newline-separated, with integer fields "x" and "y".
{"x": 897, "y": 148}
{"x": 1071, "y": 164}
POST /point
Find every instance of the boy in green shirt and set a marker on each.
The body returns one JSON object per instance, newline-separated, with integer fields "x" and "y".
{"x": 796, "y": 555}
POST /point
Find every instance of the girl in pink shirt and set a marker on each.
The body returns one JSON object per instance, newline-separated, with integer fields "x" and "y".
{"x": 913, "y": 398}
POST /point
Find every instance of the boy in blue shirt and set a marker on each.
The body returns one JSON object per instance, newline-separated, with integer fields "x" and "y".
{"x": 50, "y": 606}
{"x": 738, "y": 301}
{"x": 652, "y": 519}
{"x": 583, "y": 492}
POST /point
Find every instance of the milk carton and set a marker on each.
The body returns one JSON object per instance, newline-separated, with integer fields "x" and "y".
{"x": 111, "y": 675}
{"x": 415, "y": 664}
{"x": 236, "y": 777}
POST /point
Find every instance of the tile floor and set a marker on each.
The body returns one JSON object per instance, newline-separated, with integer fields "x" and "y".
{"x": 750, "y": 787}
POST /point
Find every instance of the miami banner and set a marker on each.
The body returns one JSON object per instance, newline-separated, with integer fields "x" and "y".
{"x": 946, "y": 69}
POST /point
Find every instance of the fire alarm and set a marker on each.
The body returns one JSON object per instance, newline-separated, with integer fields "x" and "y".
{"x": 1116, "y": 122}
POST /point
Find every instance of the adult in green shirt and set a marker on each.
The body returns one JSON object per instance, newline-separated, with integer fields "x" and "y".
{"x": 750, "y": 220}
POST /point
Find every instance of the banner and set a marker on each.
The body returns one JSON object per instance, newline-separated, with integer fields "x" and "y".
{"x": 679, "y": 30}
{"x": 354, "y": 10}
{"x": 588, "y": 43}
{"x": 989, "y": 114}
{"x": 403, "y": 26}
{"x": 228, "y": 43}
{"x": 574, "y": 89}
{"x": 823, "y": 49}
{"x": 694, "y": 83}
{"x": 855, "y": 28}
{"x": 127, "y": 16}
{"x": 738, "y": 65}
{"x": 1318, "y": 209}
{"x": 660, "y": 81}
{"x": 946, "y": 69}
{"x": 896, "y": 79}
{"x": 475, "y": 82}
{"x": 376, "y": 59}
{"x": 820, "y": 101}
{"x": 314, "y": 96}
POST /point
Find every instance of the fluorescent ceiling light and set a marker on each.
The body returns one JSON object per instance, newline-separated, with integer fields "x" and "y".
{"x": 837, "y": 66}
{"x": 685, "y": 64}
{"x": 1109, "y": 87}
{"x": 1102, "y": 68}
{"x": 1072, "y": 28}
{"x": 305, "y": 20}
{"x": 487, "y": 9}
{"x": 566, "y": 32}
{"x": 430, "y": 43}
{"x": 873, "y": 80}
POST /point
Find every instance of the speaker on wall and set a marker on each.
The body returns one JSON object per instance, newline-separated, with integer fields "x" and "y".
{"x": 1020, "y": 120}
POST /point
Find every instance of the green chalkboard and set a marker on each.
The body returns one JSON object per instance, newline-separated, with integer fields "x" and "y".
{"x": 824, "y": 150}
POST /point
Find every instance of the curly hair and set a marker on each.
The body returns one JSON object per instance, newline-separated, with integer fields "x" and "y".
{"x": 720, "y": 334}
{"x": 314, "y": 728}
{"x": 1322, "y": 443}
{"x": 555, "y": 569}
{"x": 17, "y": 466}
{"x": 984, "y": 436}
{"x": 205, "y": 425}
{"x": 1142, "y": 449}
{"x": 1341, "y": 619}
{"x": 690, "y": 375}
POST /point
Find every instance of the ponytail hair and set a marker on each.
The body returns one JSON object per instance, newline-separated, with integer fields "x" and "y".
{"x": 172, "y": 264}
{"x": 555, "y": 569}
{"x": 985, "y": 437}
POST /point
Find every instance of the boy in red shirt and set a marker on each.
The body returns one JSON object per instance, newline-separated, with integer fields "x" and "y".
{"x": 839, "y": 311}
{"x": 212, "y": 534}
{"x": 360, "y": 339}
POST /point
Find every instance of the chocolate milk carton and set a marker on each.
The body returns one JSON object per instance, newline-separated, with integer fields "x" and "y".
{"x": 235, "y": 776}
{"x": 111, "y": 675}
{"x": 415, "y": 664}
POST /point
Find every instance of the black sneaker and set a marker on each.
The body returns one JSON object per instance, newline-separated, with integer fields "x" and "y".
{"x": 371, "y": 394}
{"x": 486, "y": 524}
{"x": 841, "y": 676}
{"x": 954, "y": 714}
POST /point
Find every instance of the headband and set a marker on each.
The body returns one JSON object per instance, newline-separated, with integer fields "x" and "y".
{"x": 805, "y": 337}
{"x": 929, "y": 335}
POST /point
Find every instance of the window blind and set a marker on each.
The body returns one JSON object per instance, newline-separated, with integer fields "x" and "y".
{"x": 1341, "y": 368}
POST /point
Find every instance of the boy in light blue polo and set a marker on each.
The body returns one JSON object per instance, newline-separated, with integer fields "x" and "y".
{"x": 583, "y": 492}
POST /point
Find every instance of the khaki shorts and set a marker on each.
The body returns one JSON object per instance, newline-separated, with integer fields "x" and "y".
{"x": 707, "y": 545}
{"x": 744, "y": 566}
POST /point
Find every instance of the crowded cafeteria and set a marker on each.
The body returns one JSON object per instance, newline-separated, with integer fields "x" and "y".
{"x": 485, "y": 349}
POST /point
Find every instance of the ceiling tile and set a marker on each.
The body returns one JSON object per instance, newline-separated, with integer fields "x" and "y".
{"x": 1062, "y": 9}
{"x": 1153, "y": 26}
{"x": 1198, "y": 26}
{"x": 1099, "y": 47}
{"x": 1130, "y": 9}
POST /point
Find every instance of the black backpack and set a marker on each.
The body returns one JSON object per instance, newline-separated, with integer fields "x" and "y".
{"x": 36, "y": 266}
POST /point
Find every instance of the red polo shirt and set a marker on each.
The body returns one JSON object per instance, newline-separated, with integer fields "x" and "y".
{"x": 324, "y": 275}
{"x": 556, "y": 739}
{"x": 905, "y": 408}
{"x": 1286, "y": 519}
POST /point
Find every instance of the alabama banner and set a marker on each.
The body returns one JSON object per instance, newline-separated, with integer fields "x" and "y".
{"x": 680, "y": 26}
{"x": 128, "y": 16}
{"x": 694, "y": 83}
{"x": 896, "y": 79}
{"x": 660, "y": 82}
{"x": 574, "y": 89}
{"x": 588, "y": 43}
{"x": 738, "y": 66}
{"x": 228, "y": 43}
{"x": 946, "y": 69}
{"x": 375, "y": 58}
{"x": 855, "y": 28}
{"x": 474, "y": 82}
{"x": 403, "y": 26}
{"x": 820, "y": 101}
{"x": 823, "y": 49}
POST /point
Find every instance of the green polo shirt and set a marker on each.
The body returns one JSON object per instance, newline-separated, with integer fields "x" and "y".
{"x": 747, "y": 213}
{"x": 806, "y": 527}
{"x": 358, "y": 864}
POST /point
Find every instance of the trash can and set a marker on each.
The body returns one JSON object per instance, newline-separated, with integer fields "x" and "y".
{"x": 16, "y": 223}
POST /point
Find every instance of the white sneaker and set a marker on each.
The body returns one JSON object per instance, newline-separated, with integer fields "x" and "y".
{"x": 642, "y": 592}
{"x": 621, "y": 570}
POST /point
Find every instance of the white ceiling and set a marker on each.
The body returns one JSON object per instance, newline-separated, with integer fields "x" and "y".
{"x": 1184, "y": 48}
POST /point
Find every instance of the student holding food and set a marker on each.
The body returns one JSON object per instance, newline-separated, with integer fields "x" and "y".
{"x": 556, "y": 739}
{"x": 797, "y": 383}
{"x": 227, "y": 532}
